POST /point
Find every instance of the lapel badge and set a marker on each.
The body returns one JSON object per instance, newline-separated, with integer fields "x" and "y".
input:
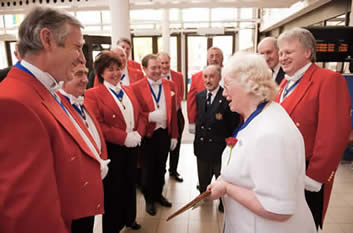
{"x": 219, "y": 116}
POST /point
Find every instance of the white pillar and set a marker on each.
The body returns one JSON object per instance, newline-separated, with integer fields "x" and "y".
{"x": 165, "y": 30}
{"x": 120, "y": 15}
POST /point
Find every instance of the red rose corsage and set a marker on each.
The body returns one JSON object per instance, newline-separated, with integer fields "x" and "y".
{"x": 231, "y": 141}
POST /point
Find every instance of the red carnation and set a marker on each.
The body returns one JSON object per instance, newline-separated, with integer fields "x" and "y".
{"x": 231, "y": 141}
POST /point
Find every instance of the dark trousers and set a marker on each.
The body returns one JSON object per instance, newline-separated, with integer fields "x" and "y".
{"x": 120, "y": 189}
{"x": 174, "y": 155}
{"x": 82, "y": 225}
{"x": 154, "y": 158}
{"x": 205, "y": 170}
{"x": 315, "y": 202}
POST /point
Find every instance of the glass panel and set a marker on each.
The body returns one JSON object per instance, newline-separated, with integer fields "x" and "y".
{"x": 89, "y": 17}
{"x": 106, "y": 17}
{"x": 174, "y": 14}
{"x": 246, "y": 13}
{"x": 3, "y": 60}
{"x": 142, "y": 47}
{"x": 12, "y": 48}
{"x": 13, "y": 20}
{"x": 172, "y": 51}
{"x": 225, "y": 43}
{"x": 145, "y": 15}
{"x": 92, "y": 28}
{"x": 245, "y": 39}
{"x": 195, "y": 14}
{"x": 218, "y": 14}
{"x": 197, "y": 55}
{"x": 196, "y": 25}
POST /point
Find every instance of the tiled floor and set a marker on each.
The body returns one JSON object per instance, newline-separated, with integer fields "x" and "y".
{"x": 207, "y": 219}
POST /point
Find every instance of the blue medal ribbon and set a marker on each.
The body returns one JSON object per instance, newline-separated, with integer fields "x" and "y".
{"x": 251, "y": 117}
{"x": 79, "y": 110}
{"x": 287, "y": 90}
{"x": 120, "y": 95}
{"x": 21, "y": 67}
{"x": 122, "y": 77}
{"x": 156, "y": 98}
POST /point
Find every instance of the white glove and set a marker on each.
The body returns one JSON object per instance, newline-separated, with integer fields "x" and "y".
{"x": 173, "y": 143}
{"x": 104, "y": 167}
{"x": 312, "y": 185}
{"x": 157, "y": 116}
{"x": 137, "y": 135}
{"x": 192, "y": 128}
{"x": 132, "y": 139}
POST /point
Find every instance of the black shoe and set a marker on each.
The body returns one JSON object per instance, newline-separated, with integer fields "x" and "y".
{"x": 150, "y": 209}
{"x": 220, "y": 207}
{"x": 176, "y": 176}
{"x": 134, "y": 226}
{"x": 164, "y": 202}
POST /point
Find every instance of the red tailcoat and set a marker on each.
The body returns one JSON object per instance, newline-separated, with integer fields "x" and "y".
{"x": 48, "y": 175}
{"x": 144, "y": 96}
{"x": 177, "y": 78}
{"x": 320, "y": 107}
{"x": 133, "y": 64}
{"x": 78, "y": 119}
{"x": 109, "y": 115}
{"x": 197, "y": 85}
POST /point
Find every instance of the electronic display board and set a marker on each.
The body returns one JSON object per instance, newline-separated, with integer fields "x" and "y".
{"x": 333, "y": 44}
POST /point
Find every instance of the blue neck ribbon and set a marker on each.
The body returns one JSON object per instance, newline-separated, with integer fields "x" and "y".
{"x": 156, "y": 98}
{"x": 250, "y": 118}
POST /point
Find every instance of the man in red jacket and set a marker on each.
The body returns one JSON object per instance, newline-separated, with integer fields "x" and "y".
{"x": 125, "y": 43}
{"x": 214, "y": 57}
{"x": 50, "y": 180}
{"x": 318, "y": 101}
{"x": 178, "y": 80}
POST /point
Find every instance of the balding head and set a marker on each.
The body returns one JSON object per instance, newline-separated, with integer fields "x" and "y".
{"x": 269, "y": 48}
{"x": 120, "y": 53}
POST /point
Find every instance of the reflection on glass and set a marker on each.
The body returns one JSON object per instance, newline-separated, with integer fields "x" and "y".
{"x": 218, "y": 14}
{"x": 246, "y": 39}
{"x": 225, "y": 43}
{"x": 197, "y": 55}
{"x": 89, "y": 17}
{"x": 195, "y": 14}
{"x": 142, "y": 47}
{"x": 145, "y": 15}
{"x": 172, "y": 51}
{"x": 13, "y": 20}
{"x": 106, "y": 18}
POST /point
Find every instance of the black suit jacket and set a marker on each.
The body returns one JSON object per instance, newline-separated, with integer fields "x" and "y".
{"x": 213, "y": 126}
{"x": 280, "y": 76}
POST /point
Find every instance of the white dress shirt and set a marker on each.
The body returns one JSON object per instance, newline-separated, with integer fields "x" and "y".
{"x": 162, "y": 104}
{"x": 126, "y": 80}
{"x": 124, "y": 105}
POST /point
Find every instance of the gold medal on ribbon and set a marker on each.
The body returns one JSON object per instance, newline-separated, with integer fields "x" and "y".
{"x": 219, "y": 116}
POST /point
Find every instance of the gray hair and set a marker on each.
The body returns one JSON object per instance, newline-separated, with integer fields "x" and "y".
{"x": 304, "y": 37}
{"x": 270, "y": 38}
{"x": 37, "y": 19}
{"x": 251, "y": 71}
{"x": 218, "y": 69}
{"x": 163, "y": 54}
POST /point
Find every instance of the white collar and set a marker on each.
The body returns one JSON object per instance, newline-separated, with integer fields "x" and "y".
{"x": 276, "y": 68}
{"x": 297, "y": 75}
{"x": 152, "y": 82}
{"x": 168, "y": 74}
{"x": 43, "y": 77}
{"x": 214, "y": 92}
{"x": 78, "y": 101}
{"x": 116, "y": 88}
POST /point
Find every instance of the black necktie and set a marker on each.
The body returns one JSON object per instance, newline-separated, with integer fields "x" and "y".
{"x": 208, "y": 101}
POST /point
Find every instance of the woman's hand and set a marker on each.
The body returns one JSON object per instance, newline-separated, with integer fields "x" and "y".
{"x": 218, "y": 189}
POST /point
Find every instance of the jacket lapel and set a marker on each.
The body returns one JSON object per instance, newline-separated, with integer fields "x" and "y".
{"x": 77, "y": 118}
{"x": 214, "y": 106}
{"x": 203, "y": 105}
{"x": 168, "y": 99}
{"x": 294, "y": 98}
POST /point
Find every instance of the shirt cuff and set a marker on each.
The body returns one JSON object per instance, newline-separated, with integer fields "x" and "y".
{"x": 312, "y": 185}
